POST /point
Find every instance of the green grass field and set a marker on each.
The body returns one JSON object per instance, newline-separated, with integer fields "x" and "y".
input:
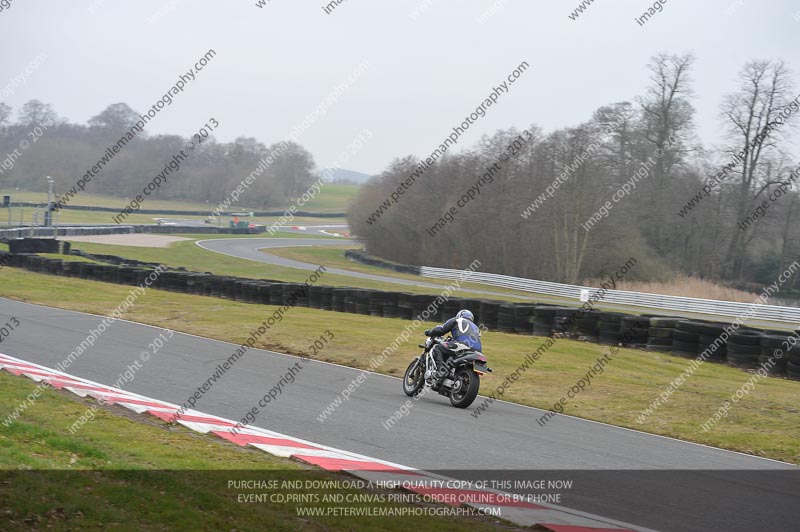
{"x": 333, "y": 198}
{"x": 764, "y": 423}
{"x": 99, "y": 200}
{"x": 132, "y": 472}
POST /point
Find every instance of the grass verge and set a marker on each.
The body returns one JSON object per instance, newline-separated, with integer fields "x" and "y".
{"x": 192, "y": 257}
{"x": 764, "y": 423}
{"x": 126, "y": 471}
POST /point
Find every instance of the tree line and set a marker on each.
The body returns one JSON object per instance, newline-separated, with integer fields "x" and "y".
{"x": 66, "y": 150}
{"x": 531, "y": 219}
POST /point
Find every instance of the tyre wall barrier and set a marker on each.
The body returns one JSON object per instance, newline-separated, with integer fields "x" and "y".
{"x": 363, "y": 258}
{"x": 747, "y": 348}
{"x": 33, "y": 245}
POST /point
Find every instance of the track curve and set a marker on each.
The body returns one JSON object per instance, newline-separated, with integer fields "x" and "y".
{"x": 250, "y": 249}
{"x": 661, "y": 483}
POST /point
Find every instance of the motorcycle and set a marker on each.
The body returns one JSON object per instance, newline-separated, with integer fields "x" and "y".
{"x": 460, "y": 379}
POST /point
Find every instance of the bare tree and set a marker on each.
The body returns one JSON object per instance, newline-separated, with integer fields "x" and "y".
{"x": 751, "y": 116}
{"x": 667, "y": 118}
{"x": 37, "y": 113}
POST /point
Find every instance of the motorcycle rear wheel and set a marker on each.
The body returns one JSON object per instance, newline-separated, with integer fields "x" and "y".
{"x": 414, "y": 379}
{"x": 468, "y": 391}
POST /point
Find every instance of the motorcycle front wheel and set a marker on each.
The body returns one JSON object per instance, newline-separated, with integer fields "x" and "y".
{"x": 414, "y": 379}
{"x": 465, "y": 389}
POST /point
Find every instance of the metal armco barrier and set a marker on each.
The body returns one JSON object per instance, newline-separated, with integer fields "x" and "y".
{"x": 621, "y": 297}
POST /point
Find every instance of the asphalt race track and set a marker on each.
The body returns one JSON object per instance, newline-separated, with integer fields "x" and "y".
{"x": 248, "y": 249}
{"x": 619, "y": 474}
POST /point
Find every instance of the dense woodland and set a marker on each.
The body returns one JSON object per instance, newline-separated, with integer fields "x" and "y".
{"x": 619, "y": 138}
{"x": 66, "y": 151}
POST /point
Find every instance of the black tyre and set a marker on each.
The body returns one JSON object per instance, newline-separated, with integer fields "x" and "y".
{"x": 469, "y": 383}
{"x": 660, "y": 332}
{"x": 747, "y": 337}
{"x": 793, "y": 371}
{"x": 773, "y": 366}
{"x": 660, "y": 341}
{"x": 774, "y": 341}
{"x": 667, "y": 323}
{"x": 691, "y": 326}
{"x": 684, "y": 349}
{"x": 635, "y": 331}
{"x": 743, "y": 350}
{"x": 775, "y": 332}
{"x": 636, "y": 322}
{"x": 717, "y": 351}
{"x": 685, "y": 337}
{"x": 568, "y": 312}
{"x": 543, "y": 313}
{"x": 711, "y": 329}
{"x": 660, "y": 348}
{"x": 542, "y": 330}
{"x": 611, "y": 317}
{"x": 414, "y": 379}
{"x": 742, "y": 361}
{"x": 608, "y": 327}
{"x": 608, "y": 338}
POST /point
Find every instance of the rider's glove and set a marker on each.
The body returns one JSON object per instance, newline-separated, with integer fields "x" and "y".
{"x": 428, "y": 332}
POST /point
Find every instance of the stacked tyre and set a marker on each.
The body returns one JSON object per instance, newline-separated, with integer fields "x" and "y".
{"x": 390, "y": 308}
{"x": 566, "y": 321}
{"x": 793, "y": 362}
{"x": 710, "y": 344}
{"x": 634, "y": 331}
{"x": 315, "y": 296}
{"x": 506, "y": 318}
{"x": 405, "y": 305}
{"x": 659, "y": 334}
{"x": 338, "y": 299}
{"x": 774, "y": 355}
{"x": 488, "y": 314}
{"x": 685, "y": 339}
{"x": 523, "y": 319}
{"x": 608, "y": 327}
{"x": 423, "y": 305}
{"x": 544, "y": 318}
{"x": 377, "y": 300}
{"x": 587, "y": 326}
{"x": 363, "y": 298}
{"x": 350, "y": 300}
{"x": 327, "y": 298}
{"x": 744, "y": 348}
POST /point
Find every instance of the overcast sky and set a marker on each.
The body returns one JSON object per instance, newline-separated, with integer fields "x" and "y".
{"x": 275, "y": 64}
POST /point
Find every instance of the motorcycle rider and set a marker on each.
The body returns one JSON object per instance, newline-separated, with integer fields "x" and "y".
{"x": 463, "y": 330}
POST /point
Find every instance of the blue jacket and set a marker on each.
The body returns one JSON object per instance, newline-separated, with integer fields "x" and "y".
{"x": 462, "y": 330}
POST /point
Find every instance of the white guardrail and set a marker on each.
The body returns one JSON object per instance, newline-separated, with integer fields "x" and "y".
{"x": 622, "y": 297}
